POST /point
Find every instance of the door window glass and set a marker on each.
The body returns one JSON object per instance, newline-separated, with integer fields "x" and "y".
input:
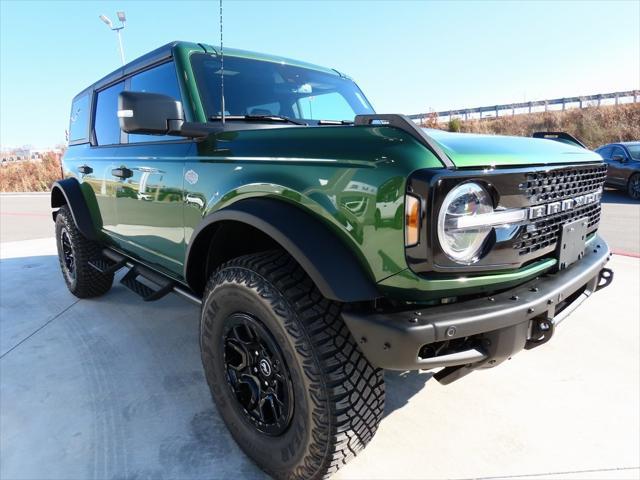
{"x": 634, "y": 151}
{"x": 163, "y": 80}
{"x": 79, "y": 120}
{"x": 618, "y": 151}
{"x": 605, "y": 152}
{"x": 106, "y": 126}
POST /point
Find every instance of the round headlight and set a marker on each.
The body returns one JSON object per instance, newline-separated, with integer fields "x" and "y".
{"x": 462, "y": 240}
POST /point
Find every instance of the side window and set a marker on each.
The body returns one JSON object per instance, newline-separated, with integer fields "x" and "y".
{"x": 106, "y": 125}
{"x": 618, "y": 151}
{"x": 161, "y": 79}
{"x": 328, "y": 106}
{"x": 605, "y": 152}
{"x": 79, "y": 120}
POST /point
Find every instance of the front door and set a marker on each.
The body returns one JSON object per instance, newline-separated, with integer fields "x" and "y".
{"x": 150, "y": 171}
{"x": 149, "y": 202}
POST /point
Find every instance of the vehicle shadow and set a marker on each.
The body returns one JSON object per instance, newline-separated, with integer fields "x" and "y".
{"x": 402, "y": 386}
{"x": 612, "y": 195}
{"x": 118, "y": 382}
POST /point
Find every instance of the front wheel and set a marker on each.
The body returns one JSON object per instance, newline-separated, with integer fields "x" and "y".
{"x": 633, "y": 187}
{"x": 291, "y": 384}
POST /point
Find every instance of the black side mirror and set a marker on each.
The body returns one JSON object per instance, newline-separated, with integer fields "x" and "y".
{"x": 149, "y": 113}
{"x": 618, "y": 158}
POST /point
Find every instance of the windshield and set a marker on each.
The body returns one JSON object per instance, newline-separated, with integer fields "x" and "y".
{"x": 253, "y": 87}
{"x": 634, "y": 151}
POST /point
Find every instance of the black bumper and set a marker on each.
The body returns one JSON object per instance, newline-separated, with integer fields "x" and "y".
{"x": 484, "y": 331}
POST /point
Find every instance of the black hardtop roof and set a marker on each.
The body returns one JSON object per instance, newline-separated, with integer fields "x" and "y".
{"x": 154, "y": 56}
{"x": 166, "y": 51}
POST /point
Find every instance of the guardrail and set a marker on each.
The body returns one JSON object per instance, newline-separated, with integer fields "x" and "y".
{"x": 582, "y": 101}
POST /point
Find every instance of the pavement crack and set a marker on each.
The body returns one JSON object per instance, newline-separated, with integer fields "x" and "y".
{"x": 38, "y": 329}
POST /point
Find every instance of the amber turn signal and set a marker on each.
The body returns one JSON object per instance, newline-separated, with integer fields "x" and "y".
{"x": 411, "y": 220}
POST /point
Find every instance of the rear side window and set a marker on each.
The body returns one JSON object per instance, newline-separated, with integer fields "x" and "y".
{"x": 79, "y": 120}
{"x": 163, "y": 80}
{"x": 106, "y": 125}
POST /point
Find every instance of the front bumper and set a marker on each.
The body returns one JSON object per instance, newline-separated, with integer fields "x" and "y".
{"x": 484, "y": 331}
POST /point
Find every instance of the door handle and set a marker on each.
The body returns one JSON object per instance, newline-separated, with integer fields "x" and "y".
{"x": 85, "y": 169}
{"x": 122, "y": 172}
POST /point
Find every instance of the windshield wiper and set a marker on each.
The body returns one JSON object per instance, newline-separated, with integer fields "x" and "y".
{"x": 258, "y": 118}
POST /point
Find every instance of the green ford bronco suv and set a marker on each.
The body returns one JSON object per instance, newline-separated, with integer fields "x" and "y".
{"x": 324, "y": 242}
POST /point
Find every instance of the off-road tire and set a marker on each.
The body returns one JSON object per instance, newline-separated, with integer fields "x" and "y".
{"x": 633, "y": 187}
{"x": 85, "y": 281}
{"x": 338, "y": 395}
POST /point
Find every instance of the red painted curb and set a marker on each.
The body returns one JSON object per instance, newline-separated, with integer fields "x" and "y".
{"x": 626, "y": 254}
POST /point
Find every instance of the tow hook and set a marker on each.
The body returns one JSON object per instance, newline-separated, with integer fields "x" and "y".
{"x": 604, "y": 279}
{"x": 542, "y": 329}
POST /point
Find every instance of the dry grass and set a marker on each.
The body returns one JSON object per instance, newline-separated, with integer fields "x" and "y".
{"x": 595, "y": 126}
{"x": 30, "y": 176}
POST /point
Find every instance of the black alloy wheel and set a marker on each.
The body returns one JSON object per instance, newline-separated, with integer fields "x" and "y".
{"x": 257, "y": 374}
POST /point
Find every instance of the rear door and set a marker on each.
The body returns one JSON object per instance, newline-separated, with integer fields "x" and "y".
{"x": 149, "y": 173}
{"x": 107, "y": 139}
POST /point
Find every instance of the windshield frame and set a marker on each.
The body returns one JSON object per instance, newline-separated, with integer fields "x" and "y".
{"x": 204, "y": 89}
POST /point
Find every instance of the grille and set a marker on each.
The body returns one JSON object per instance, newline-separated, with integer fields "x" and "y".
{"x": 553, "y": 186}
{"x": 544, "y": 187}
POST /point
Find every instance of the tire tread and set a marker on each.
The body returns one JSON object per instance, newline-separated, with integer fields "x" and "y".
{"x": 347, "y": 390}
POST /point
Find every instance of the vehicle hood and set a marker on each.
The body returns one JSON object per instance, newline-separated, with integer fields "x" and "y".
{"x": 475, "y": 150}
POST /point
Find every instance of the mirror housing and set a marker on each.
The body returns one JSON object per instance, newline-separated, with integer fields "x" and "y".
{"x": 618, "y": 158}
{"x": 149, "y": 113}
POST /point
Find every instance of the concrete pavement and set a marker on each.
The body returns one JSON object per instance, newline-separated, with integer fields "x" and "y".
{"x": 113, "y": 388}
{"x": 620, "y": 222}
{"x": 25, "y": 216}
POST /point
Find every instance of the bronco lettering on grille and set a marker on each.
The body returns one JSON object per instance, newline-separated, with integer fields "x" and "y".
{"x": 540, "y": 211}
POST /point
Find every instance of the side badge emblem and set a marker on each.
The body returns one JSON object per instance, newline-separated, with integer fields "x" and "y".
{"x": 191, "y": 177}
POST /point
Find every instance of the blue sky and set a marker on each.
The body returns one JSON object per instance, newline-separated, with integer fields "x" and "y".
{"x": 408, "y": 57}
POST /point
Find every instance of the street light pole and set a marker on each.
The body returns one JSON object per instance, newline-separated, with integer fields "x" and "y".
{"x": 120, "y": 44}
{"x": 123, "y": 19}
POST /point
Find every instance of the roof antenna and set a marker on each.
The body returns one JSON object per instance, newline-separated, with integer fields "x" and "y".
{"x": 221, "y": 67}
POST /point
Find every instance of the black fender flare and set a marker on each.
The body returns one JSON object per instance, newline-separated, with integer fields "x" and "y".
{"x": 332, "y": 266}
{"x": 69, "y": 192}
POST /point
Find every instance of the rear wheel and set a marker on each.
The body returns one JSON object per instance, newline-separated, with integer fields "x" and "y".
{"x": 74, "y": 253}
{"x": 289, "y": 381}
{"x": 633, "y": 187}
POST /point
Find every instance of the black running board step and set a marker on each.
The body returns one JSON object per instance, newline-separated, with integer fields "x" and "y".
{"x": 145, "y": 290}
{"x": 108, "y": 262}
